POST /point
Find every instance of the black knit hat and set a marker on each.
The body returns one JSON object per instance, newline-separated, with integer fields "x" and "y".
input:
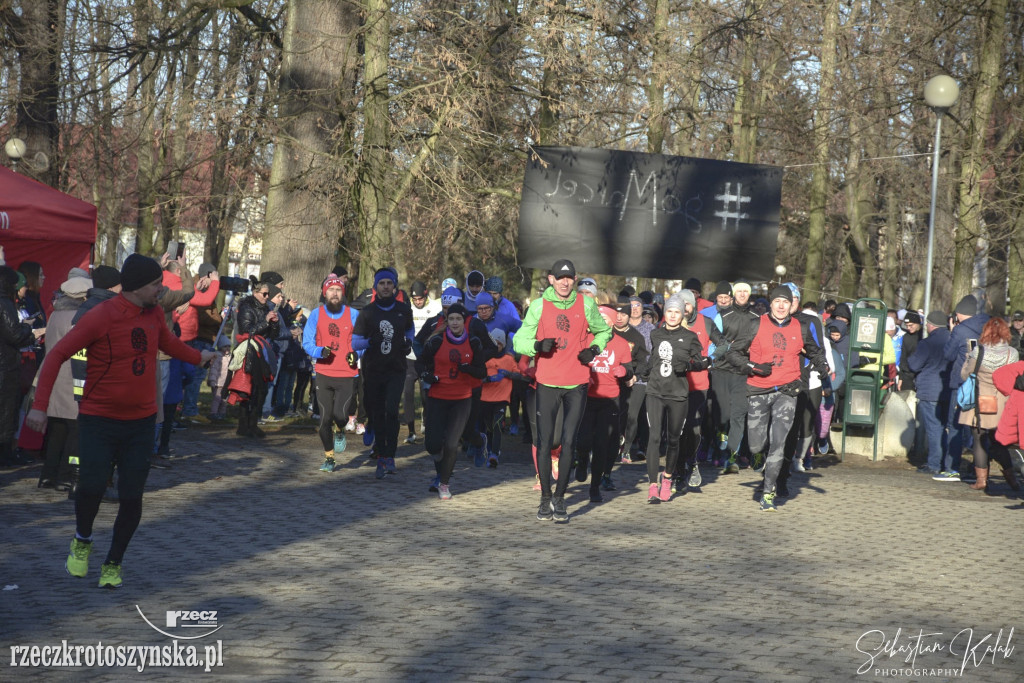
{"x": 137, "y": 271}
{"x": 105, "y": 277}
{"x": 723, "y": 287}
{"x": 842, "y": 311}
{"x": 693, "y": 283}
{"x": 271, "y": 278}
{"x": 912, "y": 317}
{"x": 781, "y": 292}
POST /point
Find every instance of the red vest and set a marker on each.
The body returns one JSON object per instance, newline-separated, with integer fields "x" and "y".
{"x": 603, "y": 384}
{"x": 453, "y": 384}
{"x": 570, "y": 329}
{"x": 337, "y": 335}
{"x": 780, "y": 346}
{"x": 699, "y": 380}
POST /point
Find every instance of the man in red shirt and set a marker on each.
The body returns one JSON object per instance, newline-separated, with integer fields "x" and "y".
{"x": 773, "y": 362}
{"x": 117, "y": 414}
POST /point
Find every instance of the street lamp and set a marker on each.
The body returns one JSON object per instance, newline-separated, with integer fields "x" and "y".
{"x": 939, "y": 93}
{"x": 15, "y": 149}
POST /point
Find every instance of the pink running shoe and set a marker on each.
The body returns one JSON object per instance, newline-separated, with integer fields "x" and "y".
{"x": 652, "y": 494}
{"x": 665, "y": 490}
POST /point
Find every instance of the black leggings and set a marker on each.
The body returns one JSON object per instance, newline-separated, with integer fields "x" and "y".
{"x": 61, "y": 449}
{"x": 551, "y": 401}
{"x": 445, "y": 420}
{"x": 490, "y": 421}
{"x": 104, "y": 442}
{"x": 999, "y": 452}
{"x": 599, "y": 433}
{"x": 383, "y": 394}
{"x": 696, "y": 417}
{"x": 333, "y": 395}
{"x": 672, "y": 414}
{"x": 301, "y": 382}
{"x": 630, "y": 404}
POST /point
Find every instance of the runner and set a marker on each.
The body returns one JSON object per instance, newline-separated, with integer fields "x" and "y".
{"x": 564, "y": 332}
{"x": 383, "y": 332}
{"x": 117, "y": 414}
{"x": 675, "y": 351}
{"x": 327, "y": 338}
{"x": 451, "y": 365}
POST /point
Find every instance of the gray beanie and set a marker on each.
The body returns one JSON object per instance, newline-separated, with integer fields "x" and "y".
{"x": 967, "y": 306}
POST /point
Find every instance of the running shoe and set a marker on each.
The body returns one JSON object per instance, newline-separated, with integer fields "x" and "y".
{"x": 808, "y": 463}
{"x": 78, "y": 561}
{"x": 360, "y": 428}
{"x": 665, "y": 490}
{"x": 389, "y": 465}
{"x": 536, "y": 482}
{"x": 558, "y": 511}
{"x": 367, "y": 436}
{"x": 544, "y": 512}
{"x": 513, "y": 429}
{"x": 492, "y": 460}
{"x": 768, "y": 502}
{"x": 947, "y": 475}
{"x": 625, "y": 459}
{"x": 695, "y": 479}
{"x": 606, "y": 483}
{"x": 823, "y": 446}
{"x": 110, "y": 575}
{"x": 443, "y": 492}
{"x": 382, "y": 470}
{"x": 675, "y": 485}
{"x": 797, "y": 464}
{"x": 554, "y": 468}
{"x": 435, "y": 484}
{"x": 340, "y": 442}
{"x": 924, "y": 469}
{"x": 730, "y": 466}
{"x": 412, "y": 438}
{"x": 479, "y": 459}
{"x": 351, "y": 426}
{"x": 328, "y": 465}
{"x": 652, "y": 494}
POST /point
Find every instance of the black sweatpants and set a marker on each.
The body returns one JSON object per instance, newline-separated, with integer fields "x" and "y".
{"x": 445, "y": 420}
{"x": 572, "y": 403}
{"x": 382, "y": 395}
{"x": 599, "y": 435}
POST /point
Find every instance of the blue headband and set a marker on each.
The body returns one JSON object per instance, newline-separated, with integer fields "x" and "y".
{"x": 385, "y": 274}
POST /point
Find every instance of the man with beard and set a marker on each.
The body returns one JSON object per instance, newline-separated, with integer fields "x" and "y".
{"x": 383, "y": 331}
{"x": 118, "y": 409}
{"x": 327, "y": 338}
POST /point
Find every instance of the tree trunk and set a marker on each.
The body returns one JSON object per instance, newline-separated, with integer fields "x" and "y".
{"x": 820, "y": 173}
{"x": 658, "y": 125}
{"x": 318, "y": 71}
{"x": 37, "y": 37}
{"x": 969, "y": 224}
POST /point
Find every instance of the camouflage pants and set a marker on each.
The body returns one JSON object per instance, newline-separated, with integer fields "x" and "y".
{"x": 778, "y": 410}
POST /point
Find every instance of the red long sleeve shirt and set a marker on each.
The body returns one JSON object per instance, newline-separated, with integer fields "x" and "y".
{"x": 189, "y": 320}
{"x": 121, "y": 341}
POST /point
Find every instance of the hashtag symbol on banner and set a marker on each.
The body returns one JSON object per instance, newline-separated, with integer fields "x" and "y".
{"x": 734, "y": 202}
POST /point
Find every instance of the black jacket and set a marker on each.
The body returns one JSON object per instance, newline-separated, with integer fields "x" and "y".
{"x": 739, "y": 325}
{"x": 94, "y": 296}
{"x": 251, "y": 319}
{"x": 672, "y": 354}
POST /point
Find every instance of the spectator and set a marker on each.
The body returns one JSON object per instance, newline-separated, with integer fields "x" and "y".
{"x": 199, "y": 324}
{"x": 34, "y": 278}
{"x": 931, "y": 381}
{"x": 14, "y": 335}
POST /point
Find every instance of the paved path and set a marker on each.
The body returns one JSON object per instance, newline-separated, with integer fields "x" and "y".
{"x": 324, "y": 577}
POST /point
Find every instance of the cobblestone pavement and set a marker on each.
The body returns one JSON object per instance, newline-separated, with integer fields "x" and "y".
{"x": 331, "y": 576}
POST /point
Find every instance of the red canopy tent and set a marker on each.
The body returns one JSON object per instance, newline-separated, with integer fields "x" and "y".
{"x": 41, "y": 224}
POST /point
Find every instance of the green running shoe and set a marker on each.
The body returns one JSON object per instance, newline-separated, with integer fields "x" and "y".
{"x": 110, "y": 575}
{"x": 78, "y": 561}
{"x": 768, "y": 502}
{"x": 328, "y": 465}
{"x": 730, "y": 466}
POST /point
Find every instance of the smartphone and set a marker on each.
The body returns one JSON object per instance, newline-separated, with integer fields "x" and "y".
{"x": 176, "y": 249}
{"x": 972, "y": 344}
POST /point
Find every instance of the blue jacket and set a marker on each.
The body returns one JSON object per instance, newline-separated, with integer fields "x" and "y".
{"x": 507, "y": 313}
{"x": 930, "y": 364}
{"x": 956, "y": 349}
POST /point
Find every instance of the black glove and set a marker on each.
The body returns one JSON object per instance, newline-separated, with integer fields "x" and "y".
{"x": 700, "y": 364}
{"x": 544, "y": 345}
{"x": 587, "y": 354}
{"x": 759, "y": 369}
{"x": 1018, "y": 384}
{"x": 326, "y": 352}
{"x": 352, "y": 359}
{"x": 863, "y": 360}
{"x": 428, "y": 378}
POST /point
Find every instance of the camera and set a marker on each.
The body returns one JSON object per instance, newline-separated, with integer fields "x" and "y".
{"x": 237, "y": 285}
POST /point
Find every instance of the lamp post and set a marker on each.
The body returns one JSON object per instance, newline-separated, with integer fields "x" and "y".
{"x": 15, "y": 149}
{"x": 939, "y": 93}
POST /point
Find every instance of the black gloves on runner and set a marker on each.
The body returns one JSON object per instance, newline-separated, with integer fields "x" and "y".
{"x": 352, "y": 359}
{"x": 759, "y": 369}
{"x": 544, "y": 345}
{"x": 326, "y": 352}
{"x": 587, "y": 354}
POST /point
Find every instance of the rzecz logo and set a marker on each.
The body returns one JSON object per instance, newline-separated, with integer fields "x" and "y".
{"x": 186, "y": 619}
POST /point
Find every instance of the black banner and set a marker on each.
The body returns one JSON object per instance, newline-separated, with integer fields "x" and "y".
{"x": 649, "y": 215}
